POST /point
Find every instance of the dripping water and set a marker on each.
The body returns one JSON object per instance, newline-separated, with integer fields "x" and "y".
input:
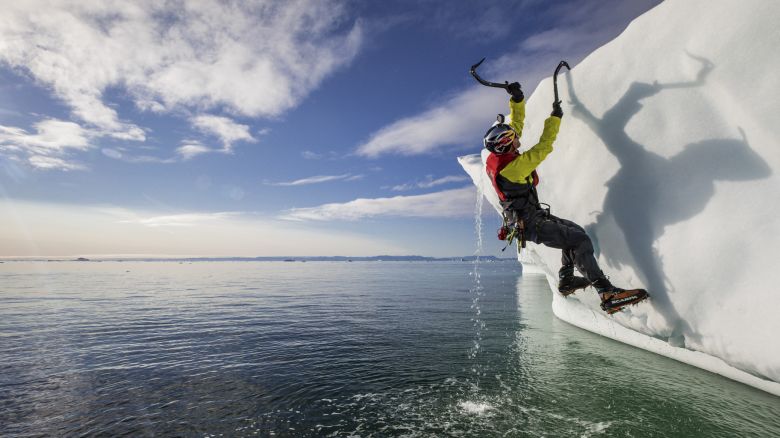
{"x": 477, "y": 291}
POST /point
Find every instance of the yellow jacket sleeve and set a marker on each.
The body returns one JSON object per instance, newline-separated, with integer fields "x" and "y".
{"x": 517, "y": 116}
{"x": 521, "y": 167}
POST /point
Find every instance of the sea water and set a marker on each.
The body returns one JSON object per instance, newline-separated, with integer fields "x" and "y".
{"x": 332, "y": 349}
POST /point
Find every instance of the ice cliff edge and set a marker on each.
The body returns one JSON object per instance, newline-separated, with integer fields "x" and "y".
{"x": 669, "y": 155}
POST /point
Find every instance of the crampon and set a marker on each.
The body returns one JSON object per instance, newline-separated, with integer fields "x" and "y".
{"x": 571, "y": 284}
{"x": 616, "y": 301}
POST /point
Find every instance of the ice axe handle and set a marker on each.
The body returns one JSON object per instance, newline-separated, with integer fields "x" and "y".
{"x": 555, "y": 77}
{"x": 473, "y": 71}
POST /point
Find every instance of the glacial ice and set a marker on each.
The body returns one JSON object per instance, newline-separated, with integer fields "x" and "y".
{"x": 669, "y": 155}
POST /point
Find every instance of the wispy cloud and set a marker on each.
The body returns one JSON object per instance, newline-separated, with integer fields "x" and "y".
{"x": 227, "y": 130}
{"x": 191, "y": 149}
{"x": 452, "y": 124}
{"x": 456, "y": 203}
{"x": 318, "y": 180}
{"x": 44, "y": 162}
{"x": 460, "y": 121}
{"x": 224, "y": 128}
{"x": 429, "y": 182}
{"x": 248, "y": 58}
{"x": 49, "y": 147}
{"x": 188, "y": 150}
{"x": 180, "y": 220}
{"x": 151, "y": 159}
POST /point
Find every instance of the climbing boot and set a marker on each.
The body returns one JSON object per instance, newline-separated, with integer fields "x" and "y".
{"x": 568, "y": 283}
{"x": 614, "y": 299}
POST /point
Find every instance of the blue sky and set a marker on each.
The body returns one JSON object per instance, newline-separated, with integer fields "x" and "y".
{"x": 263, "y": 128}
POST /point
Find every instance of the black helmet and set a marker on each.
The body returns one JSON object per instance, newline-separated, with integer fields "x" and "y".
{"x": 498, "y": 139}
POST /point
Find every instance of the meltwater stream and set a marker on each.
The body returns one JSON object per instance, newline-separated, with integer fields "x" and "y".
{"x": 331, "y": 349}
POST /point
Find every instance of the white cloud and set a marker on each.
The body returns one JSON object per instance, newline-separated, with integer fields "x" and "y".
{"x": 183, "y": 153}
{"x": 112, "y": 153}
{"x": 180, "y": 220}
{"x": 44, "y": 162}
{"x": 460, "y": 121}
{"x": 253, "y": 58}
{"x": 192, "y": 149}
{"x": 224, "y": 128}
{"x": 458, "y": 203}
{"x": 429, "y": 182}
{"x": 52, "y": 136}
{"x": 149, "y": 159}
{"x": 188, "y": 150}
{"x": 318, "y": 179}
{"x": 453, "y": 123}
{"x": 49, "y": 147}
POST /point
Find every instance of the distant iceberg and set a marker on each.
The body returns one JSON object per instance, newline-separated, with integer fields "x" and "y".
{"x": 668, "y": 155}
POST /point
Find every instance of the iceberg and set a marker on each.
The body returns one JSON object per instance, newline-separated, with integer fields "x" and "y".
{"x": 669, "y": 156}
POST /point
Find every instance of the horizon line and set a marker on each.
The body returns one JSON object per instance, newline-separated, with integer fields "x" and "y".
{"x": 139, "y": 257}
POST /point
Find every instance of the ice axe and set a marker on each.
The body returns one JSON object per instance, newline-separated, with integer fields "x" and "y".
{"x": 505, "y": 85}
{"x": 555, "y": 78}
{"x": 473, "y": 71}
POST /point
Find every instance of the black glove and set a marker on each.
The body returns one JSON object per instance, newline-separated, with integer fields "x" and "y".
{"x": 515, "y": 91}
{"x": 557, "y": 111}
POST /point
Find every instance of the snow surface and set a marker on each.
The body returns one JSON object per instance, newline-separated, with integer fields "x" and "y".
{"x": 669, "y": 155}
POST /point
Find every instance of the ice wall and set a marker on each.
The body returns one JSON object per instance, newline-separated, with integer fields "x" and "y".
{"x": 669, "y": 155}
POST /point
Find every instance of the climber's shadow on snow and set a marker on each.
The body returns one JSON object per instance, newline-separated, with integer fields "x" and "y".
{"x": 650, "y": 192}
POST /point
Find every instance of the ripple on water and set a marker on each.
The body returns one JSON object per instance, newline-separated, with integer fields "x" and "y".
{"x": 330, "y": 349}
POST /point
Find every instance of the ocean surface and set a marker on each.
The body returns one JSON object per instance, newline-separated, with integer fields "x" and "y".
{"x": 332, "y": 349}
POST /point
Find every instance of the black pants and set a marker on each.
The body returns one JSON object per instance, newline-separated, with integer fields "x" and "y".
{"x": 554, "y": 232}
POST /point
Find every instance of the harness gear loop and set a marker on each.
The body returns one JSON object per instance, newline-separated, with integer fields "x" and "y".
{"x": 513, "y": 228}
{"x": 521, "y": 231}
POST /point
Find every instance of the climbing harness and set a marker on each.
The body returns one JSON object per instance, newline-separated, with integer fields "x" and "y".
{"x": 512, "y": 228}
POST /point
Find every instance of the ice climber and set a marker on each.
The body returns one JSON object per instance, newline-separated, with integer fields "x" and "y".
{"x": 514, "y": 178}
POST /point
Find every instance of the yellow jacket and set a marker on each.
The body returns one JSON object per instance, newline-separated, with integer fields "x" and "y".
{"x": 519, "y": 169}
